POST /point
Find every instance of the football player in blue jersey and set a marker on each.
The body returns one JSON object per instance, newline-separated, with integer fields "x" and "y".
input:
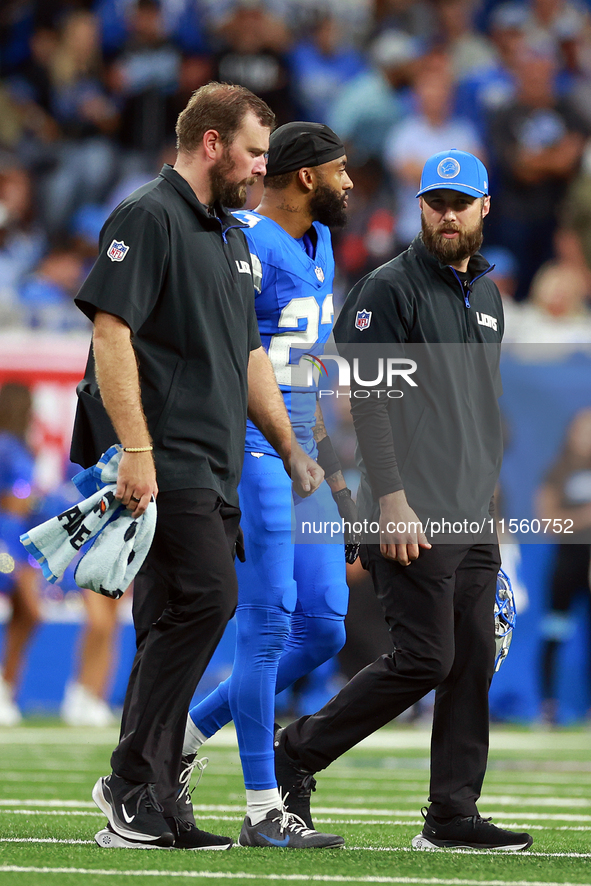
{"x": 292, "y": 597}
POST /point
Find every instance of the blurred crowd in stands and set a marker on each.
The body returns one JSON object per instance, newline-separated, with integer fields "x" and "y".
{"x": 90, "y": 91}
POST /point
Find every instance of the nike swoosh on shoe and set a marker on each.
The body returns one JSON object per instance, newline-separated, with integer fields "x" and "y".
{"x": 283, "y": 842}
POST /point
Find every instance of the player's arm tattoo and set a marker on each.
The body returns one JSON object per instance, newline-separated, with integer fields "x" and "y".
{"x": 319, "y": 428}
{"x": 336, "y": 481}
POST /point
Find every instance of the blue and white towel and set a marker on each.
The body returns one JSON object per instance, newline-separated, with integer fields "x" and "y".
{"x": 119, "y": 543}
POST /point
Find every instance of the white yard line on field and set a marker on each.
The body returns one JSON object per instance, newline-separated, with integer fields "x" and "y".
{"x": 46, "y": 840}
{"x": 71, "y": 812}
{"x": 56, "y": 804}
{"x": 504, "y": 740}
{"x": 496, "y": 853}
{"x": 315, "y": 878}
{"x": 319, "y": 819}
{"x": 43, "y": 777}
{"x": 486, "y": 799}
{"x": 382, "y": 816}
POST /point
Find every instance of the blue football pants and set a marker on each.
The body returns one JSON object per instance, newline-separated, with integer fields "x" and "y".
{"x": 292, "y": 601}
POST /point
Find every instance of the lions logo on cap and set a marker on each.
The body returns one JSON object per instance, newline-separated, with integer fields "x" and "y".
{"x": 448, "y": 168}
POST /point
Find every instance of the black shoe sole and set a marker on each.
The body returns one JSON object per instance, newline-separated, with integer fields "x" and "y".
{"x": 423, "y": 842}
{"x": 336, "y": 844}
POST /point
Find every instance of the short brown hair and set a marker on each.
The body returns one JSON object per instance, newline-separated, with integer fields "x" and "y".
{"x": 219, "y": 106}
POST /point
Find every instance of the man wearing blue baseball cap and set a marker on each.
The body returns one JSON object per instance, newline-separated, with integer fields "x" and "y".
{"x": 429, "y": 455}
{"x": 454, "y": 201}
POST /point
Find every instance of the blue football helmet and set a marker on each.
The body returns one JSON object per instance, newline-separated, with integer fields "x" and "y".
{"x": 505, "y": 616}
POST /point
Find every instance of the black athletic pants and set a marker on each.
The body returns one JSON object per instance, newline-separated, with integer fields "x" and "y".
{"x": 440, "y": 611}
{"x": 184, "y": 595}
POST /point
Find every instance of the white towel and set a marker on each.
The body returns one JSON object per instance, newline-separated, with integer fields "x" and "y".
{"x": 120, "y": 543}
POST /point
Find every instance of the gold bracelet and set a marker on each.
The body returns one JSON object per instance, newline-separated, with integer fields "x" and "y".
{"x": 138, "y": 448}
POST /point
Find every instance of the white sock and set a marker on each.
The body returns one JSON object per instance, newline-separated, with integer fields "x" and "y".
{"x": 258, "y": 803}
{"x": 194, "y": 738}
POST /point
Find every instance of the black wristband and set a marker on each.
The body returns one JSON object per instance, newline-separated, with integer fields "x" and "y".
{"x": 327, "y": 457}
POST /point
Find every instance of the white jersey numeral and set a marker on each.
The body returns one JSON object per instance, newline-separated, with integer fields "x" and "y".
{"x": 257, "y": 272}
{"x": 281, "y": 343}
{"x": 251, "y": 220}
{"x": 327, "y": 310}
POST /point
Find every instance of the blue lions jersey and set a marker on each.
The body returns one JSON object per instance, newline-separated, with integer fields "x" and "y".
{"x": 294, "y": 307}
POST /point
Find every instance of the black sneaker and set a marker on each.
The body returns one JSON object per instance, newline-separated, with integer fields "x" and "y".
{"x": 283, "y": 830}
{"x": 133, "y": 810}
{"x": 188, "y": 836}
{"x": 468, "y": 832}
{"x": 184, "y": 804}
{"x": 294, "y": 781}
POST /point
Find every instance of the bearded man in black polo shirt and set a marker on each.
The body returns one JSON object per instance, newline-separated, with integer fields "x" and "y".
{"x": 175, "y": 342}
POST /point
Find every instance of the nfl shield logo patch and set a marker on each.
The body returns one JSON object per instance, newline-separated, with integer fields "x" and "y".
{"x": 362, "y": 319}
{"x": 320, "y": 274}
{"x": 117, "y": 250}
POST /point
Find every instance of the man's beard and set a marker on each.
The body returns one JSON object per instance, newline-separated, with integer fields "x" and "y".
{"x": 223, "y": 189}
{"x": 327, "y": 207}
{"x": 452, "y": 251}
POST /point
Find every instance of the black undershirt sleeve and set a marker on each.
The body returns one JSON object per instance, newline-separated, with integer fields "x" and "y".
{"x": 374, "y": 434}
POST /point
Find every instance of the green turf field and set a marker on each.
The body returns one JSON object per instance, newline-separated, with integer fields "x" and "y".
{"x": 372, "y": 796}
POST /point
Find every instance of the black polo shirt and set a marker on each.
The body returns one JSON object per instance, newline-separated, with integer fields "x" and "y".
{"x": 181, "y": 279}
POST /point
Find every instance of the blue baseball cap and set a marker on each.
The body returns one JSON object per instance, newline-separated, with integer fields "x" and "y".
{"x": 456, "y": 171}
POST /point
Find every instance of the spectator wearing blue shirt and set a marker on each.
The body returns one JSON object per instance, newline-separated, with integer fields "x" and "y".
{"x": 469, "y": 50}
{"x": 537, "y": 142}
{"x": 87, "y": 117}
{"x": 321, "y": 65}
{"x": 482, "y": 92}
{"x": 144, "y": 78}
{"x": 432, "y": 128}
{"x": 182, "y": 20}
{"x": 22, "y": 241}
{"x": 253, "y": 53}
{"x": 46, "y": 296}
{"x": 377, "y": 98}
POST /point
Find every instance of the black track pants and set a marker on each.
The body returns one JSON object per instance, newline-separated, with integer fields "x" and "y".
{"x": 440, "y": 611}
{"x": 184, "y": 595}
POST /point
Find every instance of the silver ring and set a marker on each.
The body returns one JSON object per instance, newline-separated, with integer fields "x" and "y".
{"x": 133, "y": 498}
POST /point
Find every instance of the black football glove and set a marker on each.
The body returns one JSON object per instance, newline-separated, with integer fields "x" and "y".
{"x": 348, "y": 512}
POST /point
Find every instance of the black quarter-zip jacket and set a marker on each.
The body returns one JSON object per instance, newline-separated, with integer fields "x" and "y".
{"x": 441, "y": 440}
{"x": 181, "y": 278}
